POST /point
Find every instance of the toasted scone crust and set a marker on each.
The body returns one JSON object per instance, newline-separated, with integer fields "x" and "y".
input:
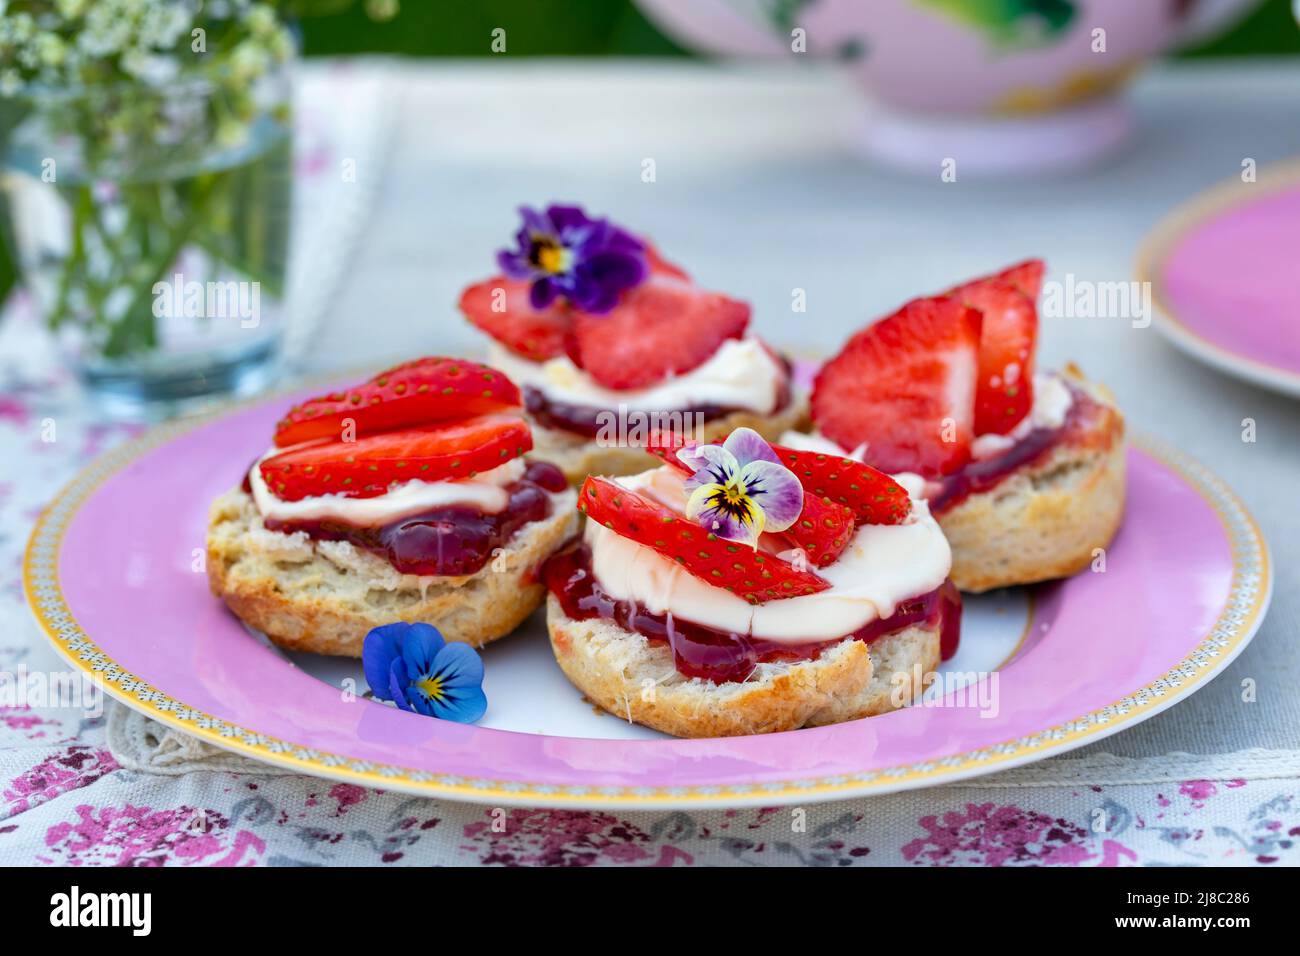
{"x": 1044, "y": 521}
{"x": 579, "y": 457}
{"x": 634, "y": 679}
{"x": 324, "y": 596}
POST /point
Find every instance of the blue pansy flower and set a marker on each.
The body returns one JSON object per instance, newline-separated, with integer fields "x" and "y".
{"x": 414, "y": 667}
{"x": 566, "y": 253}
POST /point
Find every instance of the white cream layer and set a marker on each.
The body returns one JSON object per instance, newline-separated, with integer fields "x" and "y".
{"x": 882, "y": 566}
{"x": 740, "y": 374}
{"x": 484, "y": 492}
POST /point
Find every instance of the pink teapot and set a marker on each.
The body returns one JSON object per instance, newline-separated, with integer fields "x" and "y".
{"x": 996, "y": 85}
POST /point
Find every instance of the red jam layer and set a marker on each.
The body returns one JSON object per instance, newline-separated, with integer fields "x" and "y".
{"x": 720, "y": 656}
{"x": 451, "y": 540}
{"x": 588, "y": 422}
{"x": 980, "y": 476}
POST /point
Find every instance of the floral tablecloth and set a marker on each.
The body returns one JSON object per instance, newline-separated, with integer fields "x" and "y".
{"x": 81, "y": 788}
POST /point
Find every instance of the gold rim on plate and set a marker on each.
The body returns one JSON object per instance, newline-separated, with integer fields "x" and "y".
{"x": 1235, "y": 625}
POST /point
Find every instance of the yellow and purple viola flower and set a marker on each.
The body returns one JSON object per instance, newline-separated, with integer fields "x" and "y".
{"x": 566, "y": 254}
{"x": 414, "y": 667}
{"x": 740, "y": 489}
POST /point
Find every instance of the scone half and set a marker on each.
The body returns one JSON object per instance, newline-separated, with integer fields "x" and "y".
{"x": 1048, "y": 519}
{"x": 635, "y": 679}
{"x": 324, "y": 596}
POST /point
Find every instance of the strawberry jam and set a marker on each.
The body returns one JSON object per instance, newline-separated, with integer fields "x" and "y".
{"x": 980, "y": 476}
{"x": 719, "y": 656}
{"x": 451, "y": 540}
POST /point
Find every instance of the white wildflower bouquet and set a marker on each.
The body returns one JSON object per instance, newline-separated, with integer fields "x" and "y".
{"x": 142, "y": 139}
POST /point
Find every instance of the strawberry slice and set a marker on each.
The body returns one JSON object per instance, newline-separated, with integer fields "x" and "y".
{"x": 1026, "y": 276}
{"x": 659, "y": 266}
{"x": 749, "y": 574}
{"x": 823, "y": 530}
{"x": 665, "y": 444}
{"x": 870, "y": 495}
{"x": 668, "y": 453}
{"x": 905, "y": 386}
{"x": 662, "y": 327}
{"x": 415, "y": 393}
{"x": 1004, "y": 391}
{"x": 501, "y": 308}
{"x": 366, "y": 467}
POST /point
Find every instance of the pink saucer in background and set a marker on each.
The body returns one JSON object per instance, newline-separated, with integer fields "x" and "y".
{"x": 1225, "y": 279}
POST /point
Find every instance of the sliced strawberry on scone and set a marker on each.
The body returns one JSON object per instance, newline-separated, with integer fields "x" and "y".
{"x": 822, "y": 531}
{"x": 905, "y": 387}
{"x": 1026, "y": 276}
{"x": 365, "y": 468}
{"x": 1004, "y": 390}
{"x": 427, "y": 390}
{"x": 501, "y": 308}
{"x": 661, "y": 328}
{"x": 665, "y": 450}
{"x": 659, "y": 266}
{"x": 824, "y": 527}
{"x": 664, "y": 444}
{"x": 871, "y": 496}
{"x": 750, "y": 574}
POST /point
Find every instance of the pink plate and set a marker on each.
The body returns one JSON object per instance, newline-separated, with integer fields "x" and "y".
{"x": 110, "y": 573}
{"x": 1224, "y": 279}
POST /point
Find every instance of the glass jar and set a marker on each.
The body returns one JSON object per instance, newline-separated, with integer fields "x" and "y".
{"x": 151, "y": 226}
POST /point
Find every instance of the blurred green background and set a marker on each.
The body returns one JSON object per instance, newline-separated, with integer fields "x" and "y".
{"x": 616, "y": 27}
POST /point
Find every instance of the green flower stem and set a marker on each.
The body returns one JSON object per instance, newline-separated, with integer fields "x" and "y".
{"x": 83, "y": 207}
{"x": 137, "y": 327}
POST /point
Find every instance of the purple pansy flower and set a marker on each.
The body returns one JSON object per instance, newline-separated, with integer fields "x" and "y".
{"x": 414, "y": 667}
{"x": 590, "y": 262}
{"x": 740, "y": 488}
